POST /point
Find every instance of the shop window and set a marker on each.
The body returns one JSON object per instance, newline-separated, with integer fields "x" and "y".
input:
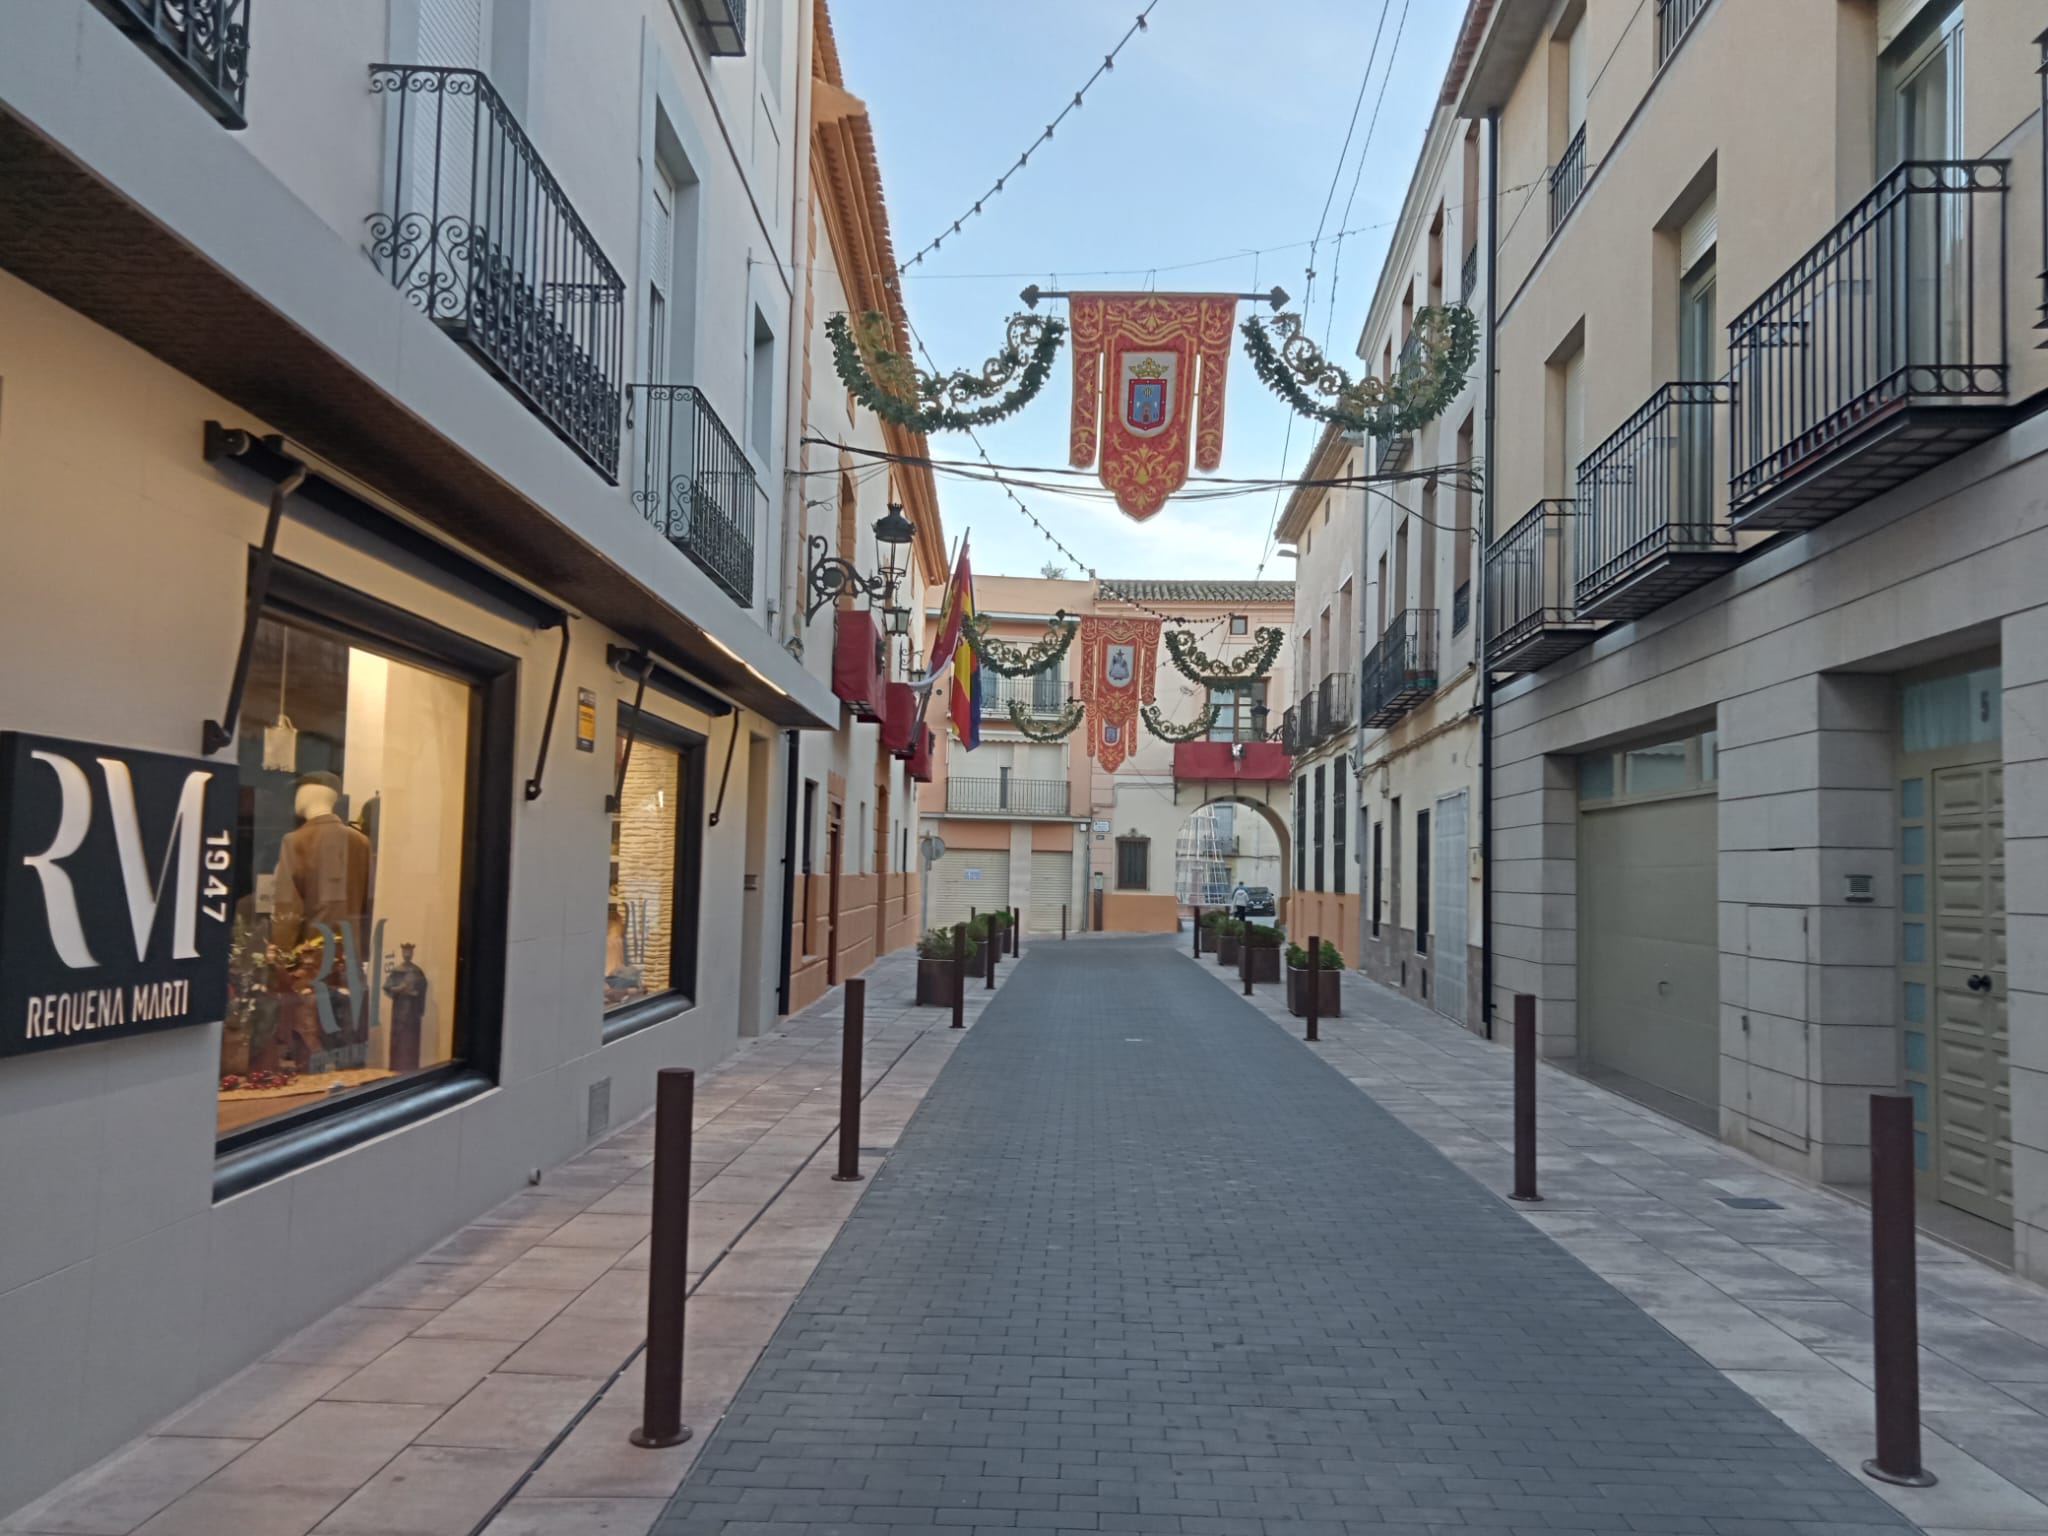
{"x": 650, "y": 937}
{"x": 1132, "y": 859}
{"x": 373, "y": 754}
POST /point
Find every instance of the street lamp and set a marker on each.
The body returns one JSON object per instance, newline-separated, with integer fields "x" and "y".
{"x": 1260, "y": 715}
{"x": 831, "y": 576}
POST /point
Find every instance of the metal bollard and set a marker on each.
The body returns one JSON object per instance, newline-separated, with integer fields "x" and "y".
{"x": 668, "y": 1266}
{"x": 849, "y": 1081}
{"x": 1016, "y": 932}
{"x": 959, "y": 976}
{"x": 1244, "y": 961}
{"x": 1195, "y": 940}
{"x": 990, "y": 947}
{"x": 1895, "y": 1303}
{"x": 1315, "y": 983}
{"x": 1525, "y": 1098}
{"x": 1063, "y": 922}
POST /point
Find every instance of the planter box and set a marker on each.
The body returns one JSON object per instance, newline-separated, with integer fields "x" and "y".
{"x": 1266, "y": 964}
{"x": 934, "y": 983}
{"x": 1329, "y": 992}
{"x": 1208, "y": 940}
{"x": 1226, "y": 951}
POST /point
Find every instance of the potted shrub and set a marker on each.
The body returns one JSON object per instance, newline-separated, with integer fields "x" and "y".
{"x": 935, "y": 967}
{"x": 1229, "y": 933}
{"x": 1264, "y": 944}
{"x": 999, "y": 930}
{"x": 1329, "y": 981}
{"x": 1212, "y": 920}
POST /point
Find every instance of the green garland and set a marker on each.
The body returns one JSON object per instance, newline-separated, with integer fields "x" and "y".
{"x": 1068, "y": 722}
{"x": 1446, "y": 344}
{"x": 1189, "y": 661}
{"x": 1020, "y": 661}
{"x": 888, "y": 383}
{"x": 1155, "y": 722}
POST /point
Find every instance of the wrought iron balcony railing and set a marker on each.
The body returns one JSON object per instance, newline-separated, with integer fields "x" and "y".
{"x": 1883, "y": 344}
{"x": 1311, "y": 722}
{"x": 1401, "y": 671}
{"x": 203, "y": 44}
{"x": 1337, "y": 703}
{"x": 1648, "y": 525}
{"x": 1468, "y": 278}
{"x": 1568, "y": 179}
{"x": 1005, "y": 796}
{"x": 1461, "y": 607}
{"x": 1041, "y": 695}
{"x": 692, "y": 481}
{"x": 479, "y": 236}
{"x": 1290, "y": 731}
{"x": 1674, "y": 20}
{"x": 1530, "y": 618}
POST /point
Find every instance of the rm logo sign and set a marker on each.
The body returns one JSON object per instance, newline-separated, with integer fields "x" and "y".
{"x": 116, "y": 891}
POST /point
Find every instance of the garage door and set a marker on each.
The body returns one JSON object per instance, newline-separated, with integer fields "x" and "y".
{"x": 1649, "y": 975}
{"x": 967, "y": 879}
{"x": 1052, "y": 887}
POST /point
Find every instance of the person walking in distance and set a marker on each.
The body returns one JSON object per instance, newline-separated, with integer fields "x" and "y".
{"x": 1240, "y": 902}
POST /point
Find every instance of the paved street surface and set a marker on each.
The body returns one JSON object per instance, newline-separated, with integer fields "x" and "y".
{"x": 1142, "y": 1263}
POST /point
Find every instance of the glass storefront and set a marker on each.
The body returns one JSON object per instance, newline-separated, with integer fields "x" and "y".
{"x": 640, "y": 915}
{"x": 349, "y": 870}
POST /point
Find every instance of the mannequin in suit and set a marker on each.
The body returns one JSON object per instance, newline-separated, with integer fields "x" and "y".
{"x": 323, "y": 876}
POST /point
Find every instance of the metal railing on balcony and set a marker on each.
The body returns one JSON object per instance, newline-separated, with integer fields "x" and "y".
{"x": 1290, "y": 731}
{"x": 1568, "y": 178}
{"x": 1400, "y": 673}
{"x": 479, "y": 236}
{"x": 1902, "y": 305}
{"x": 1337, "y": 703}
{"x": 1308, "y": 723}
{"x": 203, "y": 44}
{"x": 1648, "y": 524}
{"x": 1006, "y": 796}
{"x": 1468, "y": 277}
{"x": 722, "y": 24}
{"x": 1042, "y": 696}
{"x": 1674, "y": 20}
{"x": 1461, "y": 607}
{"x": 692, "y": 481}
{"x": 1530, "y": 618}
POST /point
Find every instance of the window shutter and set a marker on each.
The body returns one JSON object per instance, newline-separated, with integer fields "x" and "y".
{"x": 1893, "y": 17}
{"x": 1696, "y": 239}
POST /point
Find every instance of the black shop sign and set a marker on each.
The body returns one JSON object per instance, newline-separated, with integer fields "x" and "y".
{"x": 116, "y": 901}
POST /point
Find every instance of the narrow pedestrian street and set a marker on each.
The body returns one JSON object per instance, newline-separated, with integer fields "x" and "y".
{"x": 1140, "y": 1262}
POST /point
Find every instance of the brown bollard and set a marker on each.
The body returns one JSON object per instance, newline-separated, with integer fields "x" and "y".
{"x": 990, "y": 947}
{"x": 1244, "y": 960}
{"x": 959, "y": 976}
{"x": 668, "y": 1261}
{"x": 1525, "y": 1098}
{"x": 1315, "y": 984}
{"x": 1016, "y": 932}
{"x": 850, "y": 1043}
{"x": 1063, "y": 922}
{"x": 1195, "y": 940}
{"x": 1895, "y": 1302}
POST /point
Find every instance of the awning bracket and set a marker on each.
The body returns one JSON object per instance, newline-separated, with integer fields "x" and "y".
{"x": 726, "y": 777}
{"x": 617, "y": 797}
{"x": 547, "y": 730}
{"x": 232, "y": 442}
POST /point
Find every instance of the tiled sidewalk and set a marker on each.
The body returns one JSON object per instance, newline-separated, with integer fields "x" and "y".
{"x": 1778, "y": 1299}
{"x": 491, "y": 1384}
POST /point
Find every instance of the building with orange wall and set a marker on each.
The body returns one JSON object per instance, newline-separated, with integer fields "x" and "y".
{"x": 1039, "y": 826}
{"x": 854, "y": 888}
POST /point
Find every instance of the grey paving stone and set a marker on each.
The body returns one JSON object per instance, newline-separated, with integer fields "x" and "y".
{"x": 1198, "y": 1283}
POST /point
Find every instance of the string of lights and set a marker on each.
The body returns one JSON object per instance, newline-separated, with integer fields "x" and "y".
{"x": 1108, "y": 63}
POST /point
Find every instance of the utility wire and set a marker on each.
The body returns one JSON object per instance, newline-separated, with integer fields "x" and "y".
{"x": 1108, "y": 63}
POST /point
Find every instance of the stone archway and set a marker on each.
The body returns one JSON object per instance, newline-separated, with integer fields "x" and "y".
{"x": 1256, "y": 850}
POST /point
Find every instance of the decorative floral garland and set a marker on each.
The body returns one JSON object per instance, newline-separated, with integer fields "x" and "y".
{"x": 1025, "y": 660}
{"x": 888, "y": 383}
{"x": 1155, "y": 722}
{"x": 1060, "y": 729}
{"x": 1189, "y": 661}
{"x": 1446, "y": 342}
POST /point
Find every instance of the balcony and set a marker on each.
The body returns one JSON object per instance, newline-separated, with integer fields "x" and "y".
{"x": 202, "y": 44}
{"x": 1336, "y": 704}
{"x": 1649, "y": 525}
{"x": 1401, "y": 671}
{"x": 1310, "y": 726}
{"x": 1674, "y": 20}
{"x": 1530, "y": 619}
{"x": 1006, "y": 796}
{"x": 1290, "y": 732}
{"x": 479, "y": 237}
{"x": 1880, "y": 354}
{"x": 1461, "y": 607}
{"x": 1042, "y": 697}
{"x": 1468, "y": 278}
{"x": 693, "y": 483}
{"x": 1568, "y": 179}
{"x": 1267, "y": 762}
{"x": 722, "y": 24}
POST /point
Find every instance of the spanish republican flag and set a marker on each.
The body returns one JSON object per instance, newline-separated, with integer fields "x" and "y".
{"x": 966, "y": 688}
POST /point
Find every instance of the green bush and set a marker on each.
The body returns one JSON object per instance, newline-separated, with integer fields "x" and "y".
{"x": 1259, "y": 936}
{"x": 1230, "y": 928}
{"x": 977, "y": 931}
{"x": 1328, "y": 960}
{"x": 1214, "y": 919}
{"x": 937, "y": 944}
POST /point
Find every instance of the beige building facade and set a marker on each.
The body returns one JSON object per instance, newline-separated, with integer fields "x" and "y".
{"x": 1767, "y": 549}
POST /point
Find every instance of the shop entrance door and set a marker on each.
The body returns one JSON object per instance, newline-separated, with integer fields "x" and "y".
{"x": 1973, "y": 1096}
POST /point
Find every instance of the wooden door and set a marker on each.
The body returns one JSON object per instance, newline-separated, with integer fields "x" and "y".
{"x": 1973, "y": 1097}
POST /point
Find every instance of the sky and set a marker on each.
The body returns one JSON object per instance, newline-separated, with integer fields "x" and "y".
{"x": 1200, "y": 163}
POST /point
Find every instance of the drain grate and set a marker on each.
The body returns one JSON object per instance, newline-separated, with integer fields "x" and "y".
{"x": 1750, "y": 1203}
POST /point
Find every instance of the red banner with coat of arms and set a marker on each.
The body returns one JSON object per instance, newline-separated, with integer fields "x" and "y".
{"x": 1119, "y": 662}
{"x": 1148, "y": 383}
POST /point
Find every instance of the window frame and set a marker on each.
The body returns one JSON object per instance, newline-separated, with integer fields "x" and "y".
{"x": 1240, "y": 624}
{"x": 686, "y": 894}
{"x": 1143, "y": 847}
{"x": 1340, "y": 771}
{"x": 269, "y": 1149}
{"x": 1424, "y": 830}
{"x": 1320, "y": 826}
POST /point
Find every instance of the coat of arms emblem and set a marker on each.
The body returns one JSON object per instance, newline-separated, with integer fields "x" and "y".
{"x": 1148, "y": 391}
